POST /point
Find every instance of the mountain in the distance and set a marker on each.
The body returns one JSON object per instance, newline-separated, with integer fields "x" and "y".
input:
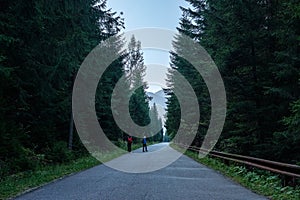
{"x": 158, "y": 98}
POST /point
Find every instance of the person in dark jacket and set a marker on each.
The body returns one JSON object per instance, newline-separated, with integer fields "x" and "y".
{"x": 144, "y": 141}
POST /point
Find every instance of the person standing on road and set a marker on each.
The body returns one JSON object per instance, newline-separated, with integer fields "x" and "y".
{"x": 129, "y": 142}
{"x": 144, "y": 141}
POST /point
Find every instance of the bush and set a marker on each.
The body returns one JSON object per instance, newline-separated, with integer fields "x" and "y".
{"x": 121, "y": 143}
{"x": 59, "y": 153}
{"x": 4, "y": 169}
{"x": 25, "y": 160}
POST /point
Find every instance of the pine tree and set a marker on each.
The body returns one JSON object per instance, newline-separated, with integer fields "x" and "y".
{"x": 44, "y": 44}
{"x": 186, "y": 69}
{"x": 135, "y": 70}
{"x": 173, "y": 115}
{"x": 287, "y": 143}
{"x": 156, "y": 124}
{"x": 255, "y": 46}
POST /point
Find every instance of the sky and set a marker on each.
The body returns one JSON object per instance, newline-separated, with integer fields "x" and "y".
{"x": 148, "y": 13}
{"x": 155, "y": 14}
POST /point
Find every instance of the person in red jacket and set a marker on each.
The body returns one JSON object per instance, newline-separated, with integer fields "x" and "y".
{"x": 129, "y": 142}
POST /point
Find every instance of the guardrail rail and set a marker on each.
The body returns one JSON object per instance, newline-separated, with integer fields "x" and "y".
{"x": 288, "y": 172}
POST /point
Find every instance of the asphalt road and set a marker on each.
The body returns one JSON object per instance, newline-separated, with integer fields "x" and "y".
{"x": 183, "y": 179}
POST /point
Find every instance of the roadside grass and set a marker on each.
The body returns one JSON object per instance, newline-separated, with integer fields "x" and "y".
{"x": 259, "y": 181}
{"x": 18, "y": 183}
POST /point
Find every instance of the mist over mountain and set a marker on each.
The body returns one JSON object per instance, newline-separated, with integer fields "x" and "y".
{"x": 159, "y": 98}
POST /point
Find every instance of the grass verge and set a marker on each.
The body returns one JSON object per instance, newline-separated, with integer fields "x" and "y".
{"x": 18, "y": 183}
{"x": 261, "y": 182}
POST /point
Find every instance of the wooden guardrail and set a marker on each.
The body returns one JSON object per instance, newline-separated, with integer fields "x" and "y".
{"x": 288, "y": 172}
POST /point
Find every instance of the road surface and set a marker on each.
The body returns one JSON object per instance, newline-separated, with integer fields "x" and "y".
{"x": 183, "y": 179}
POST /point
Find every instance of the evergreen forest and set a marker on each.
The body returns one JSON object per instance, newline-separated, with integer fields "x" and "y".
{"x": 256, "y": 47}
{"x": 254, "y": 43}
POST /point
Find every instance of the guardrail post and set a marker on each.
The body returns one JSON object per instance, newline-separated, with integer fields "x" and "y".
{"x": 226, "y": 162}
{"x": 288, "y": 181}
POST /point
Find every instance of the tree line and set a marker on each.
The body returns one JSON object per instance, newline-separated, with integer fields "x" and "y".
{"x": 255, "y": 45}
{"x": 43, "y": 44}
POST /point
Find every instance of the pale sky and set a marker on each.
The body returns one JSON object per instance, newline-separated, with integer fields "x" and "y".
{"x": 151, "y": 13}
{"x": 148, "y": 13}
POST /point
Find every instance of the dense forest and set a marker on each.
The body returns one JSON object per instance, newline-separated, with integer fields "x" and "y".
{"x": 43, "y": 44}
{"x": 255, "y": 45}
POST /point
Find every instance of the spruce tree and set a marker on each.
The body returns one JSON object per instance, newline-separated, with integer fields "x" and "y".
{"x": 135, "y": 70}
{"x": 255, "y": 46}
{"x": 156, "y": 124}
{"x": 42, "y": 46}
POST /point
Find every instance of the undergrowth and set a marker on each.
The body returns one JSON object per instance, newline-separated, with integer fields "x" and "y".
{"x": 259, "y": 181}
